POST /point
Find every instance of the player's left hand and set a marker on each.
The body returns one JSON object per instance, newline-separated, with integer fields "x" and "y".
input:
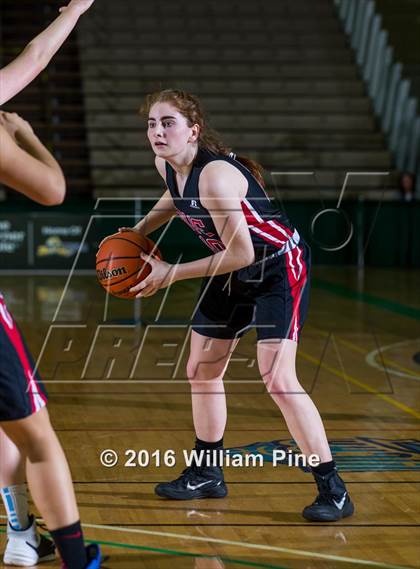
{"x": 161, "y": 276}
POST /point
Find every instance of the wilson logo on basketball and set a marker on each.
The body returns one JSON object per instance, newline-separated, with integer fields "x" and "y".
{"x": 105, "y": 274}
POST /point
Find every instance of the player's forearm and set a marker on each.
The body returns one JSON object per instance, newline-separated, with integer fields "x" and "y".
{"x": 217, "y": 264}
{"x": 160, "y": 214}
{"x": 45, "y": 45}
{"x": 153, "y": 221}
{"x": 36, "y": 55}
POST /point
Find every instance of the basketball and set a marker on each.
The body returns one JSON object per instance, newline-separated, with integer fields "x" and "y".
{"x": 119, "y": 265}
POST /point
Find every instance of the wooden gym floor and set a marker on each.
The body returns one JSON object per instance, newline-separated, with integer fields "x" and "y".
{"x": 116, "y": 387}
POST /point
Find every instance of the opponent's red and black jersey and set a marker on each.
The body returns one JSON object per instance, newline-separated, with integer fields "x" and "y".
{"x": 270, "y": 229}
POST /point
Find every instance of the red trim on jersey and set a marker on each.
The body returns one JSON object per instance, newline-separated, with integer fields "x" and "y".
{"x": 273, "y": 231}
{"x": 16, "y": 340}
{"x": 297, "y": 275}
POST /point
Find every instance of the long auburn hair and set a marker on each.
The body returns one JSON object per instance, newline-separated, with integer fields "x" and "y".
{"x": 190, "y": 107}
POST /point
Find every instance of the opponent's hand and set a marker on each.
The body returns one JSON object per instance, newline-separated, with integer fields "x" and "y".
{"x": 15, "y": 125}
{"x": 161, "y": 276}
{"x": 79, "y": 6}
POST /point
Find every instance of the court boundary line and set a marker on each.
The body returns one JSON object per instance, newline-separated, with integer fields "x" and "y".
{"x": 227, "y": 560}
{"x": 297, "y": 552}
{"x": 255, "y": 546}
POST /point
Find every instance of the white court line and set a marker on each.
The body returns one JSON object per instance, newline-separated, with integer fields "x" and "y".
{"x": 275, "y": 549}
{"x": 371, "y": 360}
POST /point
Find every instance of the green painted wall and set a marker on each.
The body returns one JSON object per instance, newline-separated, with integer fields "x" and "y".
{"x": 387, "y": 234}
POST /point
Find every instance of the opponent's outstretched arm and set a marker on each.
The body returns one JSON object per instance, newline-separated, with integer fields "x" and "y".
{"x": 38, "y": 53}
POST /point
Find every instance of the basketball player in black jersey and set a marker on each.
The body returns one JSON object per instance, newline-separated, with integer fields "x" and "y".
{"x": 257, "y": 275}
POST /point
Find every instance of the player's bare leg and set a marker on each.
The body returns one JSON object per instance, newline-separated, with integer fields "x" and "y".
{"x": 51, "y": 486}
{"x": 209, "y": 358}
{"x": 277, "y": 363}
{"x": 47, "y": 470}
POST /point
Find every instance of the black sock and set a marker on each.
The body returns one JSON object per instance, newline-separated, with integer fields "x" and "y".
{"x": 203, "y": 445}
{"x": 211, "y": 452}
{"x": 324, "y": 468}
{"x": 70, "y": 544}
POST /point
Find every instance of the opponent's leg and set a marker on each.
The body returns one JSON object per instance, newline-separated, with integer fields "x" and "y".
{"x": 50, "y": 483}
{"x": 13, "y": 483}
{"x": 48, "y": 475}
{"x": 25, "y": 546}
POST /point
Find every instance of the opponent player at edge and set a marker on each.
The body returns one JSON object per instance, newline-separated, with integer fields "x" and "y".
{"x": 258, "y": 274}
{"x": 28, "y": 167}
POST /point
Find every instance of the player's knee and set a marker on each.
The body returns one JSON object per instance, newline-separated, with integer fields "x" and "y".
{"x": 32, "y": 435}
{"x": 32, "y": 444}
{"x": 282, "y": 384}
{"x": 198, "y": 372}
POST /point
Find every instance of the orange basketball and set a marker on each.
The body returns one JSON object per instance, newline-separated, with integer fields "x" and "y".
{"x": 119, "y": 265}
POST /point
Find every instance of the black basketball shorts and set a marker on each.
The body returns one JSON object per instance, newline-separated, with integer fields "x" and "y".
{"x": 21, "y": 391}
{"x": 271, "y": 295}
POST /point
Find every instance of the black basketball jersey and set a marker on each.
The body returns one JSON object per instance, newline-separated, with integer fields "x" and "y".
{"x": 270, "y": 229}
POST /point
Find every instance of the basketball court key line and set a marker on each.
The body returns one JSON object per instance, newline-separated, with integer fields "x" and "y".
{"x": 361, "y": 384}
{"x": 404, "y": 372}
{"x": 371, "y": 358}
{"x": 369, "y": 355}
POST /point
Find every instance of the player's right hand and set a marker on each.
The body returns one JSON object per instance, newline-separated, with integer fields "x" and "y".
{"x": 79, "y": 6}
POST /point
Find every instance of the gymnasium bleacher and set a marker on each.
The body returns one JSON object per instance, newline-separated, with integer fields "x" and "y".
{"x": 278, "y": 79}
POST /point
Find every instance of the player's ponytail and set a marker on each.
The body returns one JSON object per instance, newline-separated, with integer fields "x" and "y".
{"x": 190, "y": 106}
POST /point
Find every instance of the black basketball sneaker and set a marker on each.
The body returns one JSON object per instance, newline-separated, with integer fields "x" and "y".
{"x": 194, "y": 483}
{"x": 332, "y": 502}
